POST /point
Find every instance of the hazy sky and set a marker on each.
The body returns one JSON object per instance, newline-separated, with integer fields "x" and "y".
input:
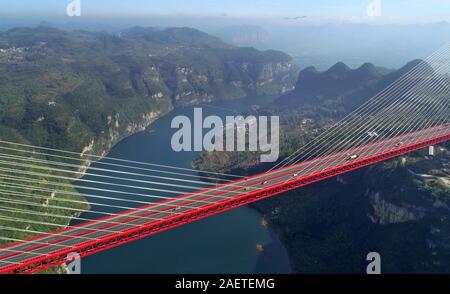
{"x": 428, "y": 10}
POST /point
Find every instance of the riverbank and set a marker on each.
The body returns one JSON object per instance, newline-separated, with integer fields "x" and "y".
{"x": 226, "y": 243}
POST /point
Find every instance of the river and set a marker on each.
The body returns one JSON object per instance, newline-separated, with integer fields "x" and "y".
{"x": 225, "y": 243}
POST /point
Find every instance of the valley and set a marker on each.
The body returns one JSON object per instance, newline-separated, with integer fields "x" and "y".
{"x": 84, "y": 92}
{"x": 329, "y": 227}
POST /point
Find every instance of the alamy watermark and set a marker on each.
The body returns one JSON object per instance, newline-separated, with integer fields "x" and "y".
{"x": 235, "y": 131}
{"x": 73, "y": 263}
{"x": 74, "y": 8}
{"x": 374, "y": 8}
{"x": 374, "y": 266}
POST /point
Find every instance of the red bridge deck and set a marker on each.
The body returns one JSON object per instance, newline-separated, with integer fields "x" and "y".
{"x": 46, "y": 251}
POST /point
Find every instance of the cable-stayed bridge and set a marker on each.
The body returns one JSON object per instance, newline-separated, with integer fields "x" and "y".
{"x": 410, "y": 114}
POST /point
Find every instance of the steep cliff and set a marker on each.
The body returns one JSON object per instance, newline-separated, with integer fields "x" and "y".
{"x": 66, "y": 90}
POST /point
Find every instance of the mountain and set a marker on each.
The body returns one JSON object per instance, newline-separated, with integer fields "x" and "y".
{"x": 319, "y": 98}
{"x": 331, "y": 226}
{"x": 387, "y": 45}
{"x": 84, "y": 91}
{"x": 79, "y": 90}
{"x": 339, "y": 89}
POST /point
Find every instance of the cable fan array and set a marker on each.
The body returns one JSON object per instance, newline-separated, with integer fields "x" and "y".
{"x": 42, "y": 189}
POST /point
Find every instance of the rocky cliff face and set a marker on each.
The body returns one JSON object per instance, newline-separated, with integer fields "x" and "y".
{"x": 271, "y": 78}
{"x": 101, "y": 145}
{"x": 383, "y": 212}
{"x": 85, "y": 91}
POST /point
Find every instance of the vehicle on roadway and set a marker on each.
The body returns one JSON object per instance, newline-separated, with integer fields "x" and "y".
{"x": 175, "y": 210}
{"x": 399, "y": 144}
{"x": 352, "y": 156}
{"x": 264, "y": 183}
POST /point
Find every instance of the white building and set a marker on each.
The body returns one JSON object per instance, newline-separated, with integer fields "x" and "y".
{"x": 431, "y": 151}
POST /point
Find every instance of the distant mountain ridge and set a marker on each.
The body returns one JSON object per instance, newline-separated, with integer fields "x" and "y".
{"x": 321, "y": 45}
{"x": 340, "y": 87}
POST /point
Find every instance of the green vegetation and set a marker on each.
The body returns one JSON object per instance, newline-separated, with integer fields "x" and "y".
{"x": 398, "y": 208}
{"x": 62, "y": 89}
{"x": 83, "y": 92}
